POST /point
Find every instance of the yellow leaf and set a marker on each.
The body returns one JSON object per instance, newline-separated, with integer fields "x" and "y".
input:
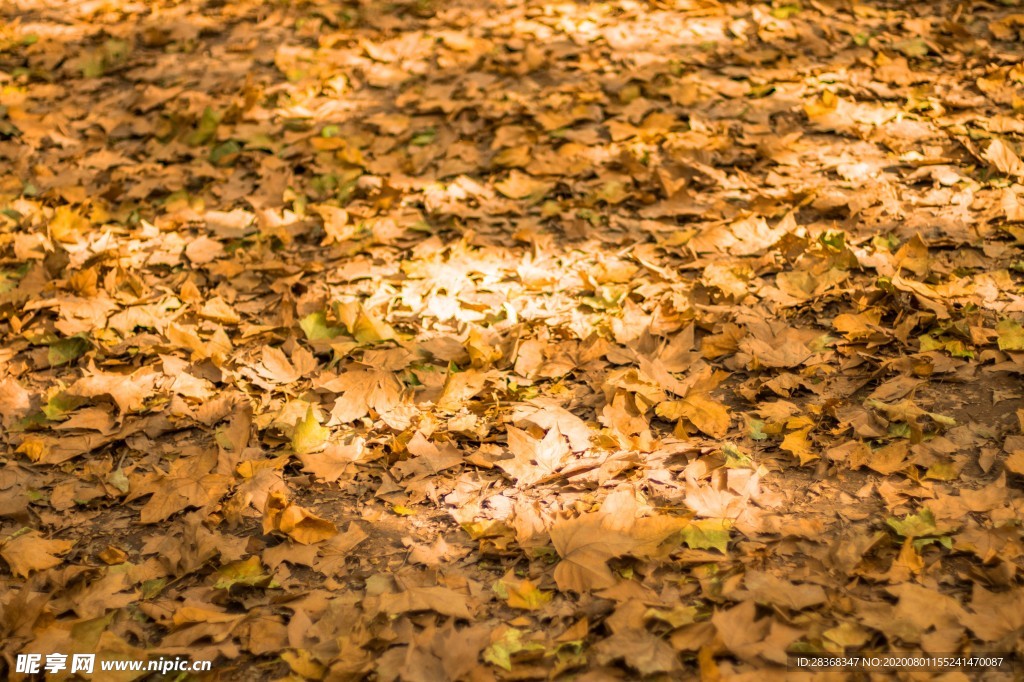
{"x": 309, "y": 436}
{"x": 1011, "y": 335}
{"x": 586, "y": 543}
{"x": 249, "y": 573}
{"x": 521, "y": 186}
{"x": 302, "y": 663}
{"x": 364, "y": 326}
{"x": 708, "y": 534}
{"x": 66, "y": 225}
{"x": 30, "y": 552}
{"x": 305, "y": 527}
{"x": 826, "y": 105}
{"x": 1015, "y": 462}
{"x": 709, "y": 416}
{"x": 298, "y": 523}
{"x": 1005, "y": 160}
{"x": 371, "y": 329}
{"x": 525, "y": 595}
{"x": 797, "y": 443}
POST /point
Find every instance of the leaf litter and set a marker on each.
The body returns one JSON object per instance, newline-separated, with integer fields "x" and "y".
{"x": 511, "y": 341}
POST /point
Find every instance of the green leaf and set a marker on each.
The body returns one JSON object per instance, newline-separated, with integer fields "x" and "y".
{"x": 755, "y": 429}
{"x": 511, "y": 642}
{"x": 786, "y": 11}
{"x": 119, "y": 480}
{"x": 920, "y": 525}
{"x": 9, "y": 278}
{"x": 423, "y": 138}
{"x": 309, "y": 436}
{"x": 206, "y": 130}
{"x": 736, "y": 458}
{"x": 152, "y": 588}
{"x": 92, "y": 66}
{"x": 708, "y": 534}
{"x": 1011, "y": 335}
{"x": 64, "y": 351}
{"x": 225, "y": 153}
{"x": 316, "y": 328}
{"x": 60, "y": 404}
{"x": 920, "y": 543}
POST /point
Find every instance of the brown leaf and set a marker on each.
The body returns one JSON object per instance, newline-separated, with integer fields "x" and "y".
{"x": 640, "y": 650}
{"x": 587, "y": 542}
{"x": 128, "y": 391}
{"x": 334, "y": 461}
{"x": 296, "y": 522}
{"x": 14, "y": 401}
{"x": 765, "y": 588}
{"x": 995, "y": 615}
{"x": 28, "y": 552}
{"x": 1005, "y": 160}
{"x": 532, "y": 458}
{"x": 438, "y": 599}
{"x": 519, "y": 185}
{"x": 708, "y": 415}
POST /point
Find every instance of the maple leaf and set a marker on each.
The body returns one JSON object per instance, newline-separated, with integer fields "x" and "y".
{"x": 276, "y": 367}
{"x": 708, "y": 415}
{"x": 797, "y": 443}
{"x": 14, "y": 401}
{"x": 128, "y": 391}
{"x": 996, "y": 615}
{"x": 439, "y": 599}
{"x": 332, "y": 553}
{"x": 300, "y": 524}
{"x": 508, "y": 644}
{"x": 521, "y": 594}
{"x": 334, "y": 461}
{"x": 532, "y": 458}
{"x": 1011, "y": 335}
{"x": 361, "y": 391}
{"x": 587, "y": 542}
{"x": 461, "y": 386}
{"x": 308, "y": 435}
{"x": 641, "y": 651}
{"x": 521, "y": 186}
{"x": 188, "y": 483}
{"x": 248, "y": 573}
{"x": 28, "y": 551}
{"x": 1005, "y": 160}
{"x": 708, "y": 534}
{"x": 751, "y": 639}
{"x": 363, "y": 325}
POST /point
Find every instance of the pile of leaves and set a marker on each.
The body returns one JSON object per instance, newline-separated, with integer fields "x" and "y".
{"x": 482, "y": 341}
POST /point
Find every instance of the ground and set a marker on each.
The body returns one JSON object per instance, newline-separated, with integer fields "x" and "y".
{"x": 512, "y": 340}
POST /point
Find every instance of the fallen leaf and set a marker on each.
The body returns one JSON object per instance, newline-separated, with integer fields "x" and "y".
{"x": 1005, "y": 160}
{"x": 296, "y": 522}
{"x": 28, "y": 552}
{"x": 309, "y": 436}
{"x": 587, "y": 542}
